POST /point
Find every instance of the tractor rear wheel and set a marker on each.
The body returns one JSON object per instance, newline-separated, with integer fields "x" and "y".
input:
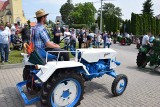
{"x": 141, "y": 60}
{"x": 64, "y": 89}
{"x": 32, "y": 86}
{"x": 26, "y": 73}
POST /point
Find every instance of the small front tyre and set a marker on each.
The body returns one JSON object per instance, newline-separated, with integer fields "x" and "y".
{"x": 119, "y": 84}
{"x": 63, "y": 90}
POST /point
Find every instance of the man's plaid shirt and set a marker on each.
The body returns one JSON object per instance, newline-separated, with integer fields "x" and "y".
{"x": 40, "y": 36}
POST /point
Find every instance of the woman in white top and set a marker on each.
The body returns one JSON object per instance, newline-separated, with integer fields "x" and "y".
{"x": 73, "y": 38}
{"x": 108, "y": 41}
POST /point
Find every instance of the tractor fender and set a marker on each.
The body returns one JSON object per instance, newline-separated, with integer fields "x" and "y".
{"x": 47, "y": 70}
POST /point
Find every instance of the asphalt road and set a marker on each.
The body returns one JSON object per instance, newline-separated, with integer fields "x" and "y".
{"x": 143, "y": 88}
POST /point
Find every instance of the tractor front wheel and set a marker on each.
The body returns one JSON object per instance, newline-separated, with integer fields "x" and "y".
{"x": 119, "y": 84}
{"x": 64, "y": 89}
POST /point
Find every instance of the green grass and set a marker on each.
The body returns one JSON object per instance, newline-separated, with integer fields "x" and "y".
{"x": 14, "y": 57}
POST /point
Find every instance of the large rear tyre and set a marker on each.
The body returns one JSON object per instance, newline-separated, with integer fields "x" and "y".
{"x": 129, "y": 41}
{"x": 141, "y": 60}
{"x": 119, "y": 84}
{"x": 26, "y": 73}
{"x": 65, "y": 89}
{"x": 32, "y": 87}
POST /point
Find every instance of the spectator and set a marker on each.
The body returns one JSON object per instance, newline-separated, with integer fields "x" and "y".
{"x": 145, "y": 40}
{"x": 26, "y": 34}
{"x": 89, "y": 40}
{"x": 7, "y": 28}
{"x": 73, "y": 38}
{"x": 104, "y": 39}
{"x": 67, "y": 35}
{"x": 85, "y": 40}
{"x": 4, "y": 43}
{"x": 57, "y": 33}
{"x": 94, "y": 40}
{"x": 98, "y": 39}
{"x": 17, "y": 29}
{"x": 132, "y": 36}
{"x": 13, "y": 32}
{"x": 112, "y": 35}
{"x": 108, "y": 41}
{"x": 80, "y": 38}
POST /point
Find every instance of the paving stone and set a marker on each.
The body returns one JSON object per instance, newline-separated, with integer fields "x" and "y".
{"x": 143, "y": 88}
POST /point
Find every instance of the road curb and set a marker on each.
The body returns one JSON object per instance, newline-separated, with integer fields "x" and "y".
{"x": 9, "y": 66}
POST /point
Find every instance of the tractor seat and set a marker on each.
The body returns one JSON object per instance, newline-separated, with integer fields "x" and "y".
{"x": 43, "y": 54}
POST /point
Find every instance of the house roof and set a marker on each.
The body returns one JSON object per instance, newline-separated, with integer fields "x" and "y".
{"x": 3, "y": 4}
{"x": 32, "y": 24}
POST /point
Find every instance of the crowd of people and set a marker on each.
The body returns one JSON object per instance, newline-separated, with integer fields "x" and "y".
{"x": 9, "y": 35}
{"x": 84, "y": 37}
{"x": 41, "y": 38}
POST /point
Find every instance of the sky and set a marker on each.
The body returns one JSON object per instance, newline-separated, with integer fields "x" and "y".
{"x": 53, "y": 7}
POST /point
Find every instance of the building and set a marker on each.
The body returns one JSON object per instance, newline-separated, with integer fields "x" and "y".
{"x": 11, "y": 11}
{"x": 158, "y": 16}
{"x": 59, "y": 19}
{"x": 32, "y": 24}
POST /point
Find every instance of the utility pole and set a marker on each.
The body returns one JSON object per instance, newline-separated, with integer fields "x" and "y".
{"x": 102, "y": 15}
{"x": 101, "y": 18}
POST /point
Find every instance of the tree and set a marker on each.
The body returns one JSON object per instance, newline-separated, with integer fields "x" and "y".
{"x": 65, "y": 11}
{"x": 83, "y": 14}
{"x": 111, "y": 17}
{"x": 51, "y": 23}
{"x": 147, "y": 7}
{"x": 28, "y": 22}
{"x": 157, "y": 26}
{"x": 110, "y": 9}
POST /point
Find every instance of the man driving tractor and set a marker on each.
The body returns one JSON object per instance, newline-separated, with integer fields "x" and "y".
{"x": 41, "y": 38}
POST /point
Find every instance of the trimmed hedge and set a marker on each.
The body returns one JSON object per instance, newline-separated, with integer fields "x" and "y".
{"x": 78, "y": 26}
